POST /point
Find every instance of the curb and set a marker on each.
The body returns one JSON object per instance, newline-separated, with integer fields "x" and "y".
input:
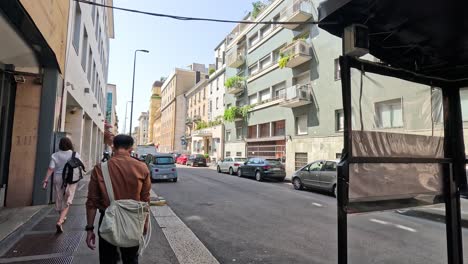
{"x": 431, "y": 216}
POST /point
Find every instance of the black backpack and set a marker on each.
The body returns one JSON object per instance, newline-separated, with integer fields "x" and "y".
{"x": 73, "y": 171}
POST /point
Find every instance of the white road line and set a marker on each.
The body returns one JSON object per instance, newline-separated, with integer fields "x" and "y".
{"x": 317, "y": 204}
{"x": 406, "y": 228}
{"x": 187, "y": 247}
{"x": 81, "y": 187}
{"x": 379, "y": 221}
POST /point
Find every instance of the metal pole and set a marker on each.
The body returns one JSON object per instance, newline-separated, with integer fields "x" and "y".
{"x": 133, "y": 88}
{"x": 125, "y": 119}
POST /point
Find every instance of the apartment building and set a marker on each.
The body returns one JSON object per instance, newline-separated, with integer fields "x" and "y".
{"x": 111, "y": 113}
{"x": 32, "y": 63}
{"x": 197, "y": 118}
{"x": 173, "y": 106}
{"x": 143, "y": 128}
{"x": 84, "y": 98}
{"x": 154, "y": 113}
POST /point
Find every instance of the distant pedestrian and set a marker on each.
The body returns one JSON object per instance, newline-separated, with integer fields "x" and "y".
{"x": 64, "y": 192}
{"x": 130, "y": 180}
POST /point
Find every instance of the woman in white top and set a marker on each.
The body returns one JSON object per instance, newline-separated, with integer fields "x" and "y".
{"x": 63, "y": 196}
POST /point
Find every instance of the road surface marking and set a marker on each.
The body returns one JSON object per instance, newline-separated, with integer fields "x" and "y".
{"x": 187, "y": 247}
{"x": 81, "y": 187}
{"x": 379, "y": 221}
{"x": 317, "y": 204}
{"x": 406, "y": 228}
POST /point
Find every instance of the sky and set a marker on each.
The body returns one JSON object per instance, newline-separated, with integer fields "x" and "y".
{"x": 171, "y": 43}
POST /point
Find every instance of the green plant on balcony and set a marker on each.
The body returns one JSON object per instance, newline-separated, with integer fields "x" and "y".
{"x": 231, "y": 113}
{"x": 234, "y": 81}
{"x": 211, "y": 71}
{"x": 283, "y": 60}
{"x": 257, "y": 8}
{"x": 244, "y": 111}
{"x": 201, "y": 125}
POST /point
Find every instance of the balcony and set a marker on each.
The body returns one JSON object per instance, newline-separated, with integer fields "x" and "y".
{"x": 196, "y": 118}
{"x": 188, "y": 121}
{"x": 300, "y": 11}
{"x": 297, "y": 95}
{"x": 235, "y": 33}
{"x": 236, "y": 58}
{"x": 235, "y": 85}
{"x": 296, "y": 53}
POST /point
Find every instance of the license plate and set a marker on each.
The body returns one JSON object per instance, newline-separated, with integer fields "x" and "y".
{"x": 276, "y": 169}
{"x": 164, "y": 176}
{"x": 200, "y": 162}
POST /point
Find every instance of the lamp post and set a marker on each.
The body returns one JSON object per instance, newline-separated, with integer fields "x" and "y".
{"x": 125, "y": 119}
{"x": 133, "y": 88}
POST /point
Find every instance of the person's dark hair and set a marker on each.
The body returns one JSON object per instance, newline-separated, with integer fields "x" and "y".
{"x": 65, "y": 144}
{"x": 123, "y": 141}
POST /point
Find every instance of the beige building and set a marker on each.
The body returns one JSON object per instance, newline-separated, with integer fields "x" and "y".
{"x": 136, "y": 136}
{"x": 143, "y": 131}
{"x": 157, "y": 129}
{"x": 154, "y": 110}
{"x": 173, "y": 106}
{"x": 197, "y": 116}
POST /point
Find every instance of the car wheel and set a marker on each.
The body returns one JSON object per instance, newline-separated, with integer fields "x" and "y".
{"x": 218, "y": 169}
{"x": 333, "y": 190}
{"x": 174, "y": 180}
{"x": 239, "y": 172}
{"x": 258, "y": 176}
{"x": 231, "y": 171}
{"x": 297, "y": 184}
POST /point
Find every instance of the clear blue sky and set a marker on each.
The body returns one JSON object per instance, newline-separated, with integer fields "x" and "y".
{"x": 171, "y": 43}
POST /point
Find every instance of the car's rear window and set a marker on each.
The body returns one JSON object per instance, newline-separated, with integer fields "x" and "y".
{"x": 273, "y": 162}
{"x": 164, "y": 160}
{"x": 240, "y": 159}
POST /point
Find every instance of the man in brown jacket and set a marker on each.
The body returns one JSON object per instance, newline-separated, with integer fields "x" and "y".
{"x": 130, "y": 180}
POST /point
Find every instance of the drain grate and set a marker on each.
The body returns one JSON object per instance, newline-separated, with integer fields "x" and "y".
{"x": 61, "y": 260}
{"x": 43, "y": 244}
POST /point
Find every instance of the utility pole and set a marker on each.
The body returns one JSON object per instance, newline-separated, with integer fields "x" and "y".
{"x": 133, "y": 87}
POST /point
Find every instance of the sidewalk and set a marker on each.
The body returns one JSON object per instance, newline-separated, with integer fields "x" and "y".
{"x": 35, "y": 241}
{"x": 437, "y": 212}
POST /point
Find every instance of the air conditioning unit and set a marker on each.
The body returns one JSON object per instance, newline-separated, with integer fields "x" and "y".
{"x": 356, "y": 40}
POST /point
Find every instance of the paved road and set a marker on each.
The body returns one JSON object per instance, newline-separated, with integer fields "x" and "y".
{"x": 243, "y": 221}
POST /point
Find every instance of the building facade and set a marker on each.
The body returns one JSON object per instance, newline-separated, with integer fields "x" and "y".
{"x": 84, "y": 99}
{"x": 154, "y": 113}
{"x": 173, "y": 106}
{"x": 197, "y": 117}
{"x": 143, "y": 129}
{"x": 111, "y": 113}
{"x": 32, "y": 63}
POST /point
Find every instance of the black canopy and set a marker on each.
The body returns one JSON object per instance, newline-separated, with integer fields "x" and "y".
{"x": 425, "y": 36}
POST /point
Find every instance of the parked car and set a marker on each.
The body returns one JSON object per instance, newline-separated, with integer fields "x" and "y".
{"x": 162, "y": 167}
{"x": 262, "y": 168}
{"x": 320, "y": 174}
{"x": 196, "y": 160}
{"x": 230, "y": 164}
{"x": 182, "y": 159}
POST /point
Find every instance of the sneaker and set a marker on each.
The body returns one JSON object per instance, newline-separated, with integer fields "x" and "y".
{"x": 59, "y": 228}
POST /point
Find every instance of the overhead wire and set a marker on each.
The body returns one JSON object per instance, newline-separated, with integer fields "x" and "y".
{"x": 184, "y": 18}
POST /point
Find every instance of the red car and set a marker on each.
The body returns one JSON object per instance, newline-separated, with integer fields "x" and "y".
{"x": 182, "y": 159}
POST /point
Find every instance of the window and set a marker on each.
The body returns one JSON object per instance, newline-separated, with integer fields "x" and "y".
{"x": 253, "y": 99}
{"x": 280, "y": 90}
{"x": 339, "y": 120}
{"x": 265, "y": 30}
{"x": 300, "y": 160}
{"x": 77, "y": 27}
{"x": 204, "y": 109}
{"x": 265, "y": 95}
{"x": 329, "y": 166}
{"x": 264, "y": 130}
{"x": 228, "y": 153}
{"x": 389, "y": 114}
{"x": 253, "y": 40}
{"x": 437, "y": 106}
{"x": 279, "y": 128}
{"x": 337, "y": 70}
{"x": 265, "y": 62}
{"x": 316, "y": 166}
{"x": 90, "y": 64}
{"x": 217, "y": 84}
{"x": 238, "y": 154}
{"x": 252, "y": 132}
{"x": 217, "y": 99}
{"x": 238, "y": 133}
{"x": 228, "y": 135}
{"x": 301, "y": 125}
{"x": 84, "y": 49}
{"x": 253, "y": 69}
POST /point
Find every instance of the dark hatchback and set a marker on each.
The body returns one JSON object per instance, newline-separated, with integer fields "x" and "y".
{"x": 196, "y": 160}
{"x": 261, "y": 168}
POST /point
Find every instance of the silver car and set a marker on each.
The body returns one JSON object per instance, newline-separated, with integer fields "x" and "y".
{"x": 162, "y": 167}
{"x": 230, "y": 164}
{"x": 320, "y": 174}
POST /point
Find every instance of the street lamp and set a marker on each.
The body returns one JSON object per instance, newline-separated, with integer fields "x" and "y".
{"x": 125, "y": 119}
{"x": 133, "y": 87}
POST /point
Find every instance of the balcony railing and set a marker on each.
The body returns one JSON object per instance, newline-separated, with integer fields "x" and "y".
{"x": 297, "y": 52}
{"x": 235, "y": 33}
{"x": 237, "y": 87}
{"x": 236, "y": 57}
{"x": 297, "y": 95}
{"x": 300, "y": 11}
